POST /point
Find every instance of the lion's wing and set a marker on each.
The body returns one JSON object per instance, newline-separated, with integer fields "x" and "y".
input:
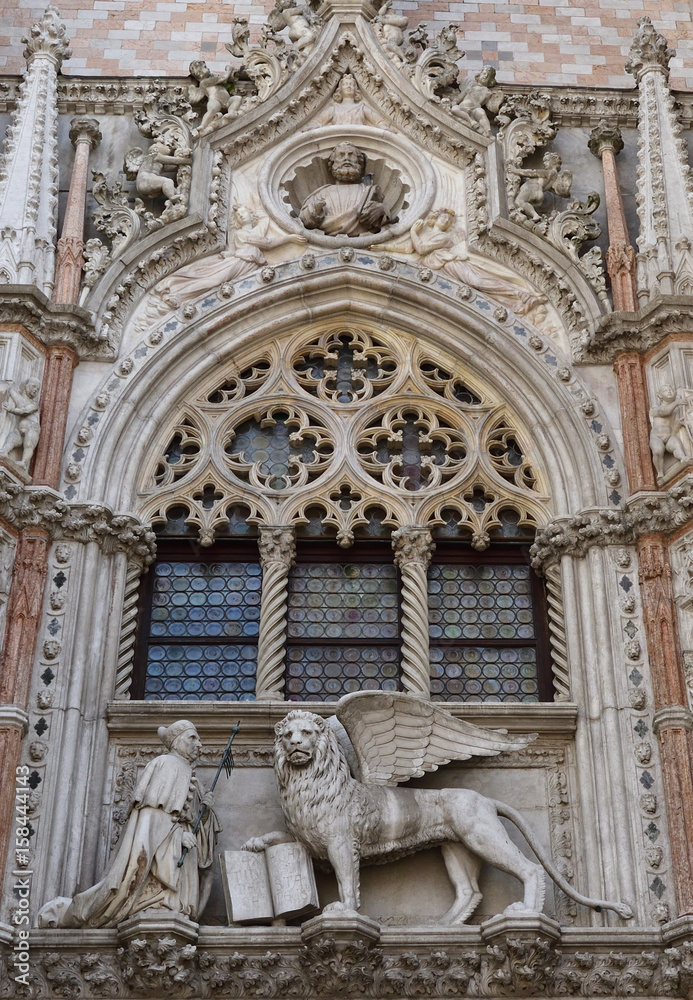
{"x": 400, "y": 736}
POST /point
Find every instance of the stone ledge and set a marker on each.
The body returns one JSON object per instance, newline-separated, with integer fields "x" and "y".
{"x": 71, "y": 326}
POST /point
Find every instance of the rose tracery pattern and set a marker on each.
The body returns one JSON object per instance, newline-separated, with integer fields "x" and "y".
{"x": 345, "y": 366}
{"x": 412, "y": 448}
{"x": 180, "y": 455}
{"x": 507, "y": 457}
{"x": 280, "y": 448}
{"x": 448, "y": 385}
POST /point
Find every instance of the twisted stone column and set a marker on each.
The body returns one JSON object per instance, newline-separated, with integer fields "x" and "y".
{"x": 277, "y": 546}
{"x": 128, "y": 630}
{"x": 413, "y": 550}
{"x": 85, "y": 135}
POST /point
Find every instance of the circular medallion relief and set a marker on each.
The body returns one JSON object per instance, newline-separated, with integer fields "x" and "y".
{"x": 353, "y": 185}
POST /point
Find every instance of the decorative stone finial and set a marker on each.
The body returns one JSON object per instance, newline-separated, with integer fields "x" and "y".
{"x": 85, "y": 129}
{"x": 605, "y": 136}
{"x": 649, "y": 51}
{"x": 47, "y": 36}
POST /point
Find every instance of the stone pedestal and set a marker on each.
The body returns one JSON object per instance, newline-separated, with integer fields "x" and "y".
{"x": 522, "y": 953}
{"x": 520, "y": 925}
{"x": 675, "y": 932}
{"x": 156, "y": 924}
{"x": 345, "y": 927}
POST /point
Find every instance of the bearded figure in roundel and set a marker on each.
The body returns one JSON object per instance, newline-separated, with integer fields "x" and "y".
{"x": 335, "y": 777}
{"x": 351, "y": 204}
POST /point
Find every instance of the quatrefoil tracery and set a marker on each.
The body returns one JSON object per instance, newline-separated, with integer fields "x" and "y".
{"x": 314, "y": 442}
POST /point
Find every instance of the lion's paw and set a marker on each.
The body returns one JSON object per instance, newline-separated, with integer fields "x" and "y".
{"x": 255, "y": 844}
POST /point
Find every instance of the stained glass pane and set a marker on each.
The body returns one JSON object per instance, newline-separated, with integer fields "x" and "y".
{"x": 480, "y": 602}
{"x": 477, "y": 673}
{"x": 206, "y": 599}
{"x": 325, "y": 673}
{"x": 201, "y": 672}
{"x": 353, "y": 601}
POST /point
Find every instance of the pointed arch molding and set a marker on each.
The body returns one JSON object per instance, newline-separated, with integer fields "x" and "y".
{"x": 117, "y": 431}
{"x": 423, "y": 123}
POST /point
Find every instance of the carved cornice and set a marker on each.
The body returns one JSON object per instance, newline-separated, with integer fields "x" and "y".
{"x": 374, "y": 960}
{"x": 638, "y": 331}
{"x": 37, "y": 506}
{"x": 642, "y": 513}
{"x": 72, "y": 326}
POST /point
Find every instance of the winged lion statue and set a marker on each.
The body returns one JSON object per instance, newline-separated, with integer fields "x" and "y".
{"x": 335, "y": 781}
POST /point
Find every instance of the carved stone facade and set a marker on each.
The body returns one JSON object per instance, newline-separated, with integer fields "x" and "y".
{"x": 348, "y": 366}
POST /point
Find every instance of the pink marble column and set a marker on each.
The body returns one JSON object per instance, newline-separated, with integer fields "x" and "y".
{"x": 85, "y": 135}
{"x": 605, "y": 142}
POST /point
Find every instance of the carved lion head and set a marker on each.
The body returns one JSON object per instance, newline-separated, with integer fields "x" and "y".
{"x": 300, "y": 737}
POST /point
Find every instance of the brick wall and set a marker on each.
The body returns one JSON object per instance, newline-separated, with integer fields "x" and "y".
{"x": 563, "y": 42}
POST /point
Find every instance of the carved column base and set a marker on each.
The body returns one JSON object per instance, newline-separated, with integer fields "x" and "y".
{"x": 158, "y": 924}
{"x": 522, "y": 954}
{"x": 345, "y": 927}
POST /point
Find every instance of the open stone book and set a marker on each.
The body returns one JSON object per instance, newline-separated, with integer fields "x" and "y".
{"x": 276, "y": 882}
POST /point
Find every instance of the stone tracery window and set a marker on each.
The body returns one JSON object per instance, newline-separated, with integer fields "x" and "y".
{"x": 347, "y": 435}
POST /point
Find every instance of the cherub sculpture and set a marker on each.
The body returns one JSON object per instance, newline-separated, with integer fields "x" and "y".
{"x": 212, "y": 87}
{"x": 147, "y": 169}
{"x": 536, "y": 183}
{"x": 333, "y": 779}
{"x": 145, "y": 872}
{"x": 477, "y": 97}
{"x": 21, "y": 403}
{"x": 389, "y": 26}
{"x": 303, "y": 24}
{"x": 670, "y": 434}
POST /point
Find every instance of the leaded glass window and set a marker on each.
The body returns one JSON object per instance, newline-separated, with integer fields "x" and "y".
{"x": 343, "y": 632}
{"x": 199, "y": 629}
{"x": 486, "y": 626}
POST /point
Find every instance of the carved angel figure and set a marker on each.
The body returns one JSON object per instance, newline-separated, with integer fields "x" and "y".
{"x": 247, "y": 240}
{"x": 144, "y": 872}
{"x": 476, "y": 98}
{"x": 670, "y": 434}
{"x": 22, "y": 427}
{"x": 537, "y": 182}
{"x": 334, "y": 781}
{"x": 442, "y": 245}
{"x": 211, "y": 87}
{"x": 347, "y": 108}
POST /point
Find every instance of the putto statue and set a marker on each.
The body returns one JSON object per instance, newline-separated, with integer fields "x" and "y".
{"x": 670, "y": 433}
{"x": 332, "y": 777}
{"x": 145, "y": 871}
{"x": 352, "y": 204}
{"x": 22, "y": 424}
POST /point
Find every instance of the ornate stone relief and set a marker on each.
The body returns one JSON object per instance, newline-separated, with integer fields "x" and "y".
{"x": 353, "y": 410}
{"x": 21, "y": 426}
{"x": 29, "y": 163}
{"x": 641, "y": 514}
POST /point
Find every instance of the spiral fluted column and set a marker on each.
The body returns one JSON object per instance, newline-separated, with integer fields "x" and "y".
{"x": 413, "y": 550}
{"x": 277, "y": 553}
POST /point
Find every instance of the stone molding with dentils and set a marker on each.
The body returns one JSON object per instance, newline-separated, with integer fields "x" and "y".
{"x": 356, "y": 957}
{"x": 39, "y": 507}
{"x": 642, "y": 514}
{"x": 22, "y": 305}
{"x": 640, "y": 331}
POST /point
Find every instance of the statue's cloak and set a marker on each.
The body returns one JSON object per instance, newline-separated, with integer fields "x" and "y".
{"x": 343, "y": 206}
{"x": 144, "y": 872}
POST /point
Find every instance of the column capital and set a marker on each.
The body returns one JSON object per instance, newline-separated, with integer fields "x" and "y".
{"x": 85, "y": 130}
{"x": 412, "y": 544}
{"x": 649, "y": 51}
{"x": 672, "y": 717}
{"x": 14, "y": 717}
{"x": 605, "y": 136}
{"x": 277, "y": 544}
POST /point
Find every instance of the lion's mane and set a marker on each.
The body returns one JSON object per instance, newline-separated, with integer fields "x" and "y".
{"x": 315, "y": 794}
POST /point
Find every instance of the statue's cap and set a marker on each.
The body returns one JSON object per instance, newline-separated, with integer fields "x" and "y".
{"x": 169, "y": 734}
